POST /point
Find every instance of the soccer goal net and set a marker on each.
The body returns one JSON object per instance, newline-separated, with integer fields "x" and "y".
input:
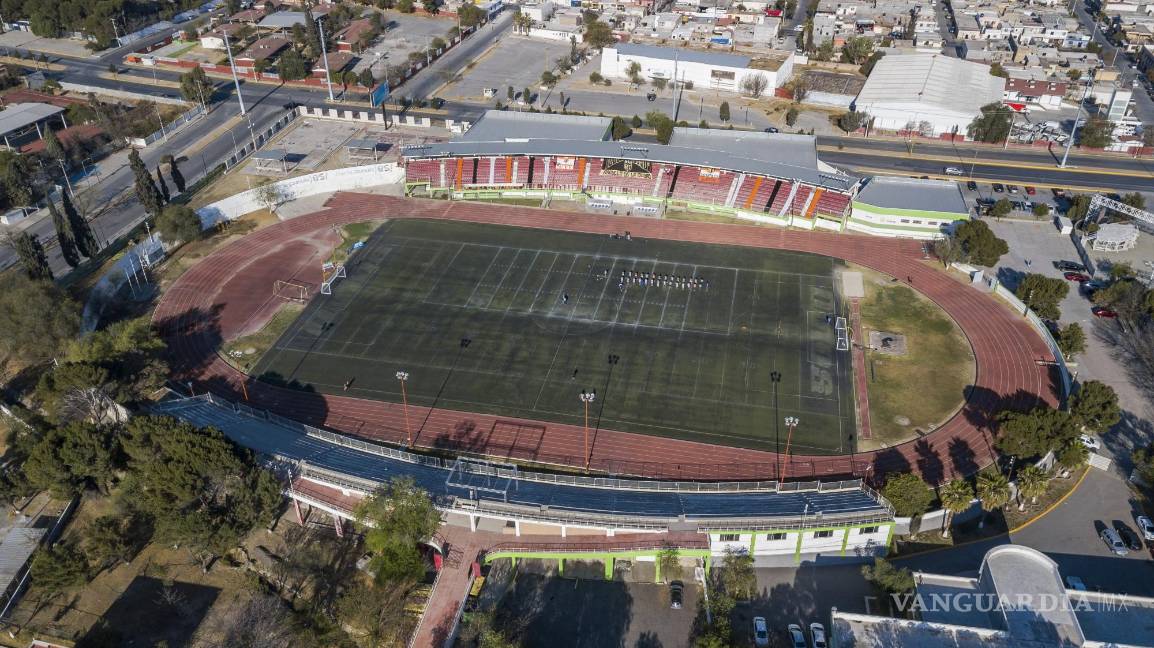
{"x": 842, "y": 334}
{"x": 290, "y": 291}
{"x": 330, "y": 273}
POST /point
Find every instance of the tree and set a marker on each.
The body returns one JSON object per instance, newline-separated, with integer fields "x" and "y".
{"x": 431, "y": 6}
{"x": 888, "y": 578}
{"x": 620, "y": 128}
{"x": 548, "y": 79}
{"x": 1143, "y": 457}
{"x": 1097, "y": 132}
{"x": 669, "y": 563}
{"x": 908, "y": 493}
{"x": 980, "y": 244}
{"x": 81, "y": 231}
{"x": 633, "y": 71}
{"x": 993, "y": 491}
{"x": 851, "y": 121}
{"x": 18, "y": 181}
{"x": 527, "y": 96}
{"x": 1034, "y": 433}
{"x": 405, "y": 6}
{"x": 857, "y": 50}
{"x": 867, "y": 67}
{"x": 73, "y": 458}
{"x": 598, "y": 35}
{"x": 365, "y": 78}
{"x": 1032, "y": 483}
{"x": 1041, "y": 210}
{"x": 162, "y": 185}
{"x": 1071, "y": 340}
{"x": 807, "y": 30}
{"x": 1121, "y": 270}
{"x": 146, "y": 191}
{"x": 948, "y": 251}
{"x": 754, "y": 85}
{"x": 270, "y": 196}
{"x": 64, "y": 236}
{"x": 132, "y": 353}
{"x": 510, "y": 93}
{"x": 661, "y": 123}
{"x": 1001, "y": 208}
{"x": 36, "y": 318}
{"x": 395, "y": 519}
{"x": 1127, "y": 297}
{"x": 798, "y": 87}
{"x": 824, "y": 51}
{"x": 636, "y": 122}
{"x": 178, "y": 223}
{"x": 957, "y": 496}
{"x": 1074, "y": 74}
{"x": 1079, "y": 207}
{"x": 291, "y": 66}
{"x": 723, "y": 111}
{"x": 993, "y": 125}
{"x": 1095, "y": 405}
{"x": 52, "y": 145}
{"x": 1043, "y": 294}
{"x": 1072, "y": 456}
{"x": 111, "y": 539}
{"x": 659, "y": 83}
{"x": 58, "y": 568}
{"x": 31, "y": 255}
{"x": 1134, "y": 199}
{"x": 997, "y": 70}
{"x": 737, "y": 575}
{"x": 195, "y": 86}
{"x": 595, "y": 77}
{"x": 377, "y": 612}
{"x": 174, "y": 173}
{"x": 312, "y": 33}
{"x": 262, "y": 621}
{"x": 470, "y": 15}
{"x": 68, "y": 378}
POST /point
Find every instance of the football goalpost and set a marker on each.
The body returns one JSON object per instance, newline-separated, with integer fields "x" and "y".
{"x": 842, "y": 334}
{"x": 291, "y": 291}
{"x": 329, "y": 274}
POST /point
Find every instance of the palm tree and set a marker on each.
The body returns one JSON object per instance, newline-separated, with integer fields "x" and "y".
{"x": 1032, "y": 482}
{"x": 993, "y": 491}
{"x": 956, "y": 498}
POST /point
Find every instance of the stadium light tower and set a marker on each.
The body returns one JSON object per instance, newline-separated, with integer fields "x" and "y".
{"x": 403, "y": 377}
{"x": 586, "y": 398}
{"x": 775, "y": 378}
{"x": 791, "y": 423}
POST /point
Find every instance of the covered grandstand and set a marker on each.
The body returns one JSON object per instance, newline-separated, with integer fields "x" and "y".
{"x": 775, "y": 178}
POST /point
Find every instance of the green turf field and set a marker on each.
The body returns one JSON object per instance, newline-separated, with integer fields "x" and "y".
{"x": 695, "y": 363}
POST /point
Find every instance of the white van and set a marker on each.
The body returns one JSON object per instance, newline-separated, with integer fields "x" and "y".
{"x": 954, "y": 171}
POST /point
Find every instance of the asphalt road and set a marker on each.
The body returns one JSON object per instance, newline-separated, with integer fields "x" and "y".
{"x": 426, "y": 82}
{"x": 1143, "y": 105}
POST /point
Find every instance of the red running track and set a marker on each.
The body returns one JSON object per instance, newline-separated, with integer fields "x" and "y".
{"x": 207, "y": 305}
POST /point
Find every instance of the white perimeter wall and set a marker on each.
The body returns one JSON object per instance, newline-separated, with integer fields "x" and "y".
{"x": 613, "y": 66}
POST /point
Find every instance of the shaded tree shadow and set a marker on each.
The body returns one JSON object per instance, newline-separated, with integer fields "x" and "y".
{"x": 1009, "y": 277}
{"x": 962, "y": 457}
{"x": 929, "y": 462}
{"x": 890, "y": 460}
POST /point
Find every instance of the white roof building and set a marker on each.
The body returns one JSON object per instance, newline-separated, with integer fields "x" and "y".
{"x": 933, "y": 94}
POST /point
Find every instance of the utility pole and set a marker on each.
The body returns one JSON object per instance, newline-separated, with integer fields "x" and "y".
{"x": 235, "y": 80}
{"x": 1077, "y": 120}
{"x": 325, "y": 57}
{"x": 115, "y": 31}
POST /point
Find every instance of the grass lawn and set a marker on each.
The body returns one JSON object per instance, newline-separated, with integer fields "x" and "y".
{"x": 925, "y": 386}
{"x": 244, "y": 352}
{"x": 350, "y": 234}
{"x": 704, "y": 217}
{"x": 545, "y": 310}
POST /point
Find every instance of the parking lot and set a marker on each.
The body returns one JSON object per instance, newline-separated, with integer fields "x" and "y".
{"x": 515, "y": 61}
{"x": 804, "y": 595}
{"x": 405, "y": 34}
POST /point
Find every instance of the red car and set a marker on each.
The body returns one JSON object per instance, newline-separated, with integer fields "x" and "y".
{"x": 1030, "y": 190}
{"x": 1103, "y": 312}
{"x": 1076, "y": 276}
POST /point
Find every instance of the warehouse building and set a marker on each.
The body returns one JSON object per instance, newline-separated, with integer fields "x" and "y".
{"x": 907, "y": 207}
{"x": 705, "y": 70}
{"x": 928, "y": 94}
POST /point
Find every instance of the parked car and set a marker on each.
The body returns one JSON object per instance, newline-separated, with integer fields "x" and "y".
{"x": 1129, "y": 538}
{"x": 1114, "y": 542}
{"x": 1012, "y": 188}
{"x": 817, "y": 634}
{"x": 760, "y": 632}
{"x": 1090, "y": 442}
{"x": 796, "y": 638}
{"x": 954, "y": 171}
{"x": 1076, "y": 276}
{"x": 998, "y": 188}
{"x": 1145, "y": 527}
{"x": 1103, "y": 312}
{"x": 1030, "y": 191}
{"x": 772, "y": 129}
{"x": 1075, "y": 583}
{"x": 652, "y": 96}
{"x": 1069, "y": 266}
{"x": 676, "y": 595}
{"x": 972, "y": 186}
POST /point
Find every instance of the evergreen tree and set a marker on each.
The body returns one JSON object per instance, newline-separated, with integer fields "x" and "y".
{"x": 52, "y": 145}
{"x": 32, "y": 256}
{"x": 162, "y": 185}
{"x": 146, "y": 190}
{"x": 81, "y": 230}
{"x": 174, "y": 173}
{"x": 64, "y": 236}
{"x": 17, "y": 182}
{"x": 312, "y": 35}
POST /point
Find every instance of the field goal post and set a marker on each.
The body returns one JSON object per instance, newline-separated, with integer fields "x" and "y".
{"x": 842, "y": 334}
{"x": 479, "y": 475}
{"x": 329, "y": 275}
{"x": 290, "y": 290}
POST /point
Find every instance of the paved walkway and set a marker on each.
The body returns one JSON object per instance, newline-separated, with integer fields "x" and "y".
{"x": 219, "y": 297}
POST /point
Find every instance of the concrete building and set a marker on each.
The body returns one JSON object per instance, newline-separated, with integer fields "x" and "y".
{"x": 1019, "y": 599}
{"x": 706, "y": 70}
{"x": 907, "y": 207}
{"x": 930, "y": 94}
{"x": 1046, "y": 94}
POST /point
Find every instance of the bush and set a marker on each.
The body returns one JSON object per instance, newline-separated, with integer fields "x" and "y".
{"x": 595, "y": 77}
{"x": 178, "y": 223}
{"x": 791, "y": 116}
{"x": 908, "y": 493}
{"x": 1041, "y": 210}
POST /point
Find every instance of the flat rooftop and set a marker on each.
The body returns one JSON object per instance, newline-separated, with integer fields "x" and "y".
{"x": 913, "y": 193}
{"x": 1114, "y": 618}
{"x": 718, "y": 59}
{"x": 18, "y": 116}
{"x": 513, "y": 126}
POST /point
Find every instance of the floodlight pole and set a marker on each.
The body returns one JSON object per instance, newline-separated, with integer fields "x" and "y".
{"x": 586, "y": 398}
{"x": 1077, "y": 119}
{"x": 775, "y": 378}
{"x": 403, "y": 377}
{"x": 791, "y": 423}
{"x": 235, "y": 79}
{"x": 325, "y": 56}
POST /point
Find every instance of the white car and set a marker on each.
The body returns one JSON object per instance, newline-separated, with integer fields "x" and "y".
{"x": 1090, "y": 442}
{"x": 817, "y": 633}
{"x": 1145, "y": 527}
{"x": 796, "y": 638}
{"x": 760, "y": 632}
{"x": 954, "y": 171}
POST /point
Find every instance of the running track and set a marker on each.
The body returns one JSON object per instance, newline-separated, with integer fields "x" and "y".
{"x": 220, "y": 297}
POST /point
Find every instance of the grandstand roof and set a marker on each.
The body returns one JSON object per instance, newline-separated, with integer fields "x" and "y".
{"x": 931, "y": 81}
{"x": 776, "y": 155}
{"x": 19, "y": 116}
{"x": 912, "y": 193}
{"x": 682, "y": 54}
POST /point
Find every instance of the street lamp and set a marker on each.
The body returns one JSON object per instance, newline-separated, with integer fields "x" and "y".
{"x": 403, "y": 377}
{"x": 586, "y": 398}
{"x": 775, "y": 378}
{"x": 791, "y": 423}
